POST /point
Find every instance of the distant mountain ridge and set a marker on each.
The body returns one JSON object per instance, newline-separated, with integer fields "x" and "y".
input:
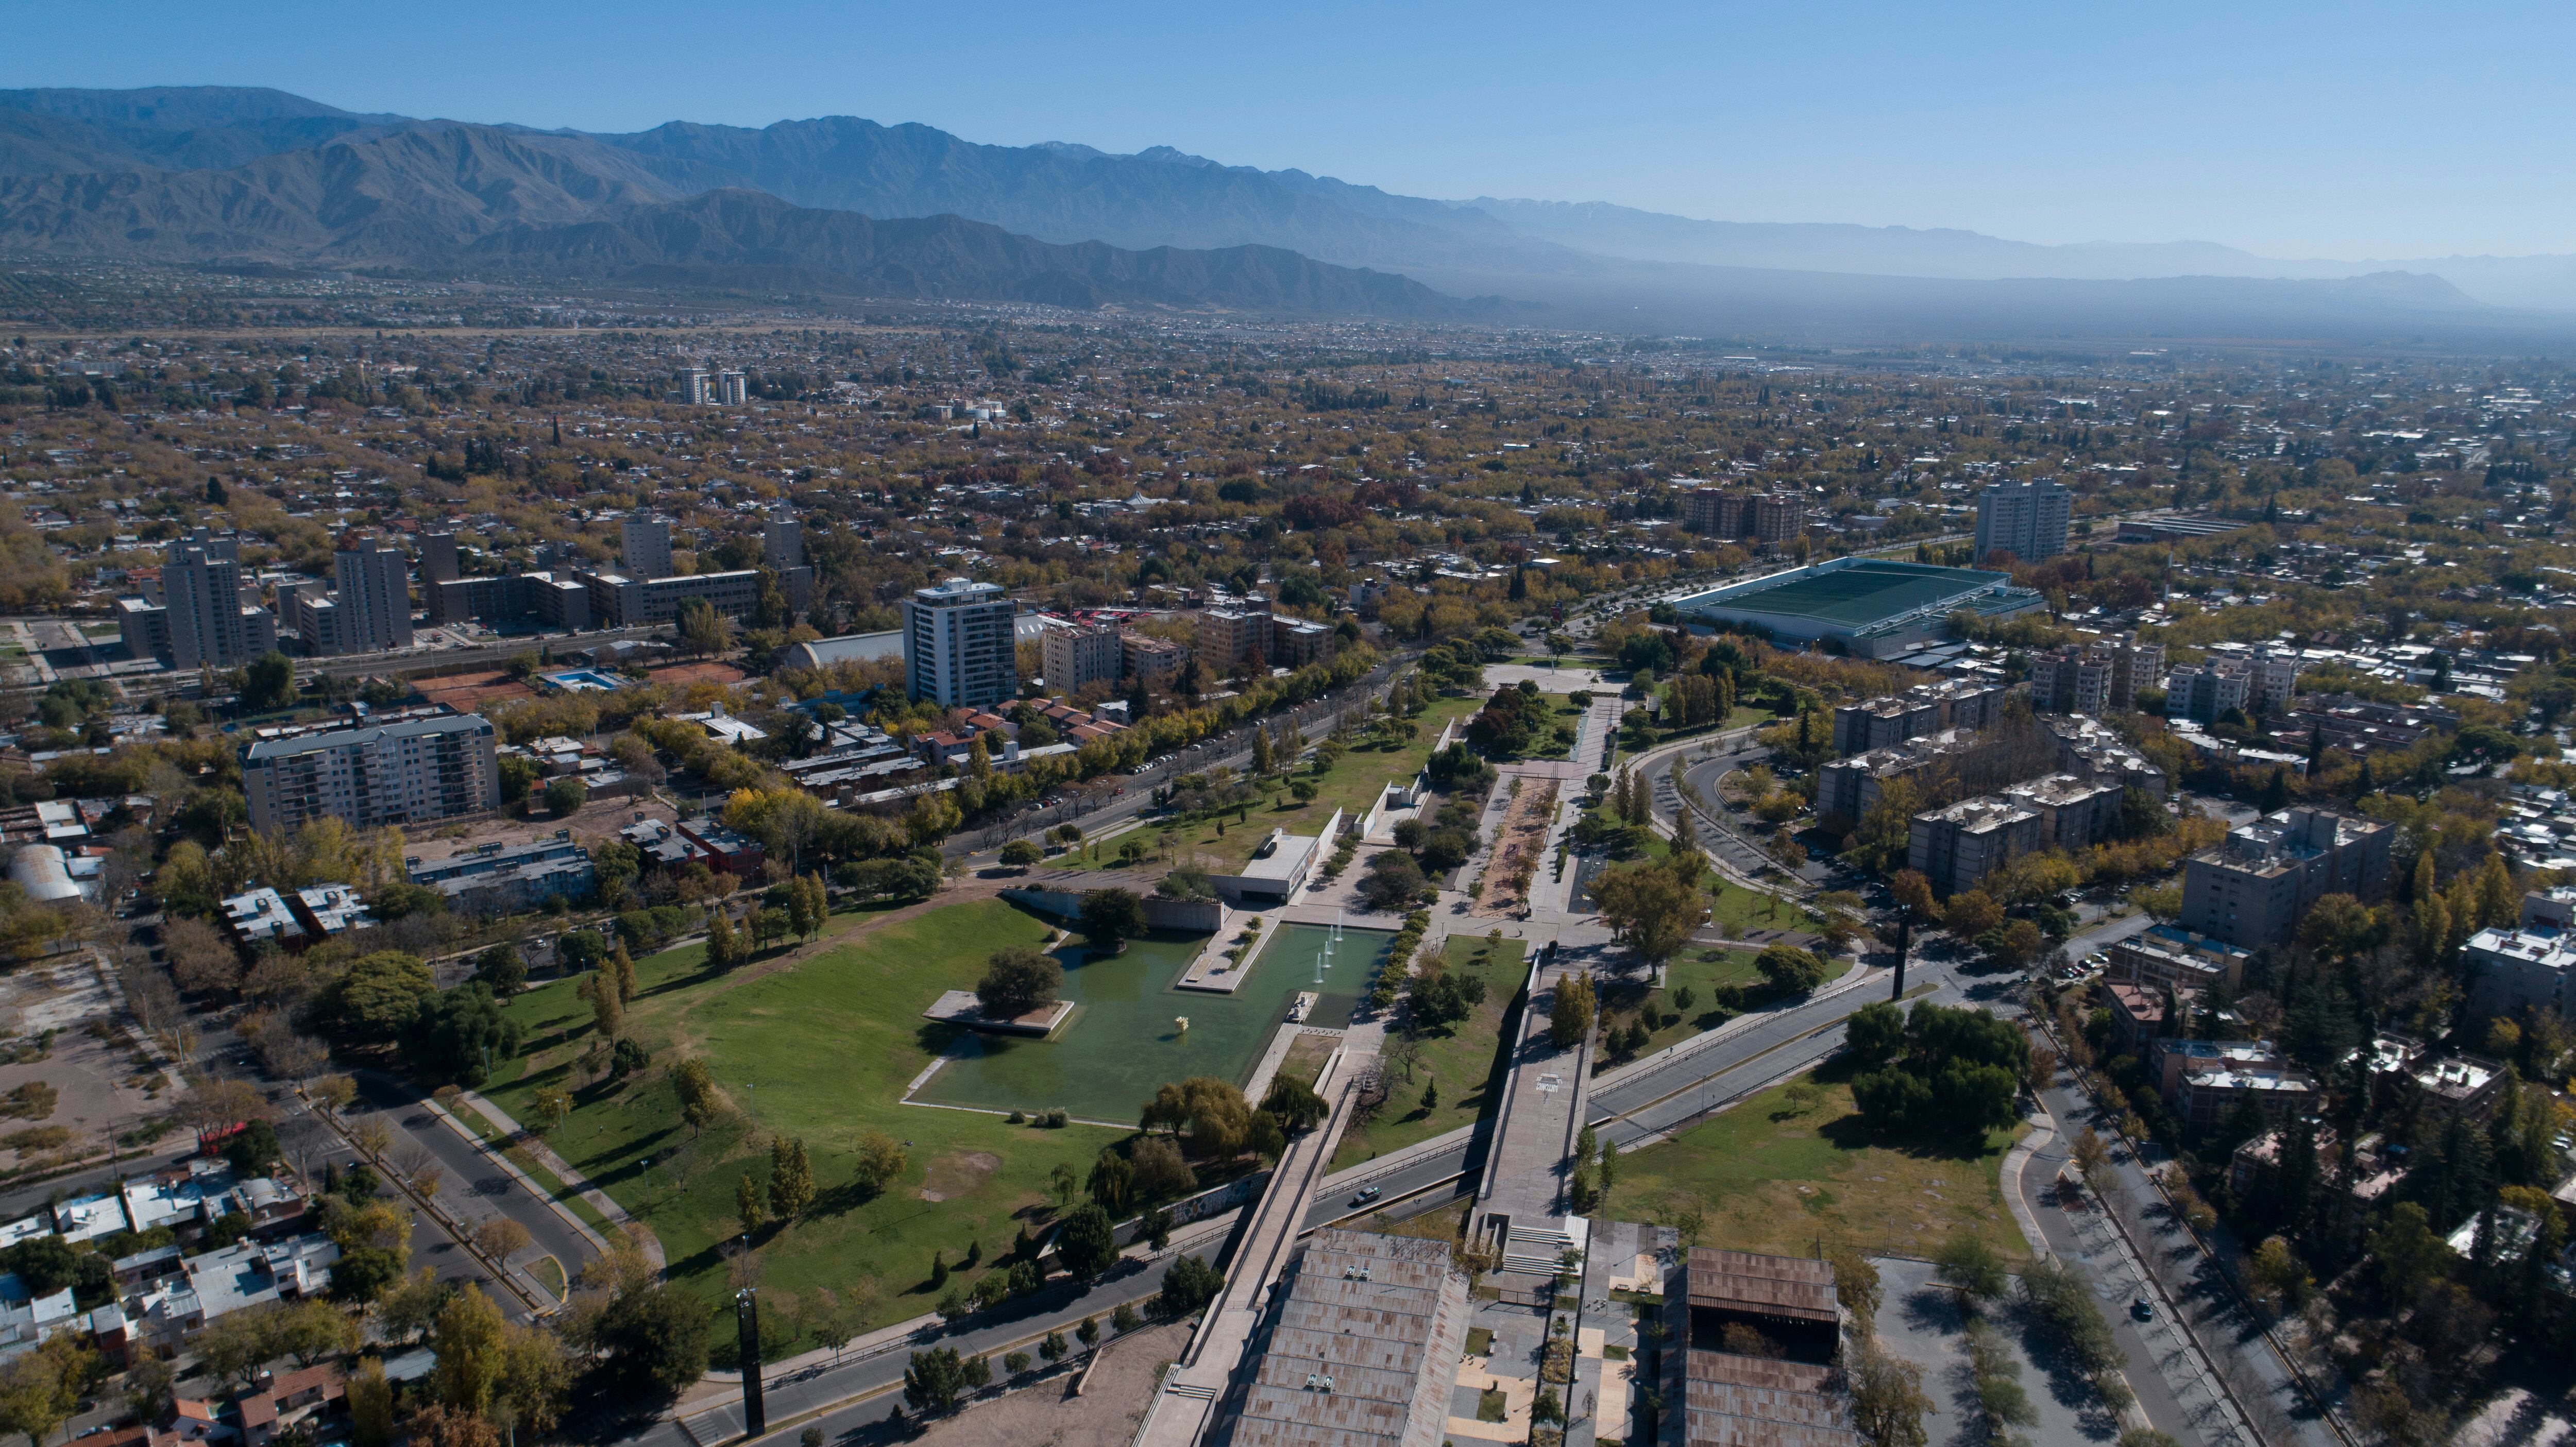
{"x": 215, "y": 173}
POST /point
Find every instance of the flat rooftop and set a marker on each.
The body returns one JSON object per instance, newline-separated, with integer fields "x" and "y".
{"x": 1362, "y": 1350}
{"x": 1785, "y": 1286}
{"x": 1860, "y": 594}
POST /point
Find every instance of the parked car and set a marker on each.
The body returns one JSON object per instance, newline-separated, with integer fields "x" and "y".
{"x": 2142, "y": 1309}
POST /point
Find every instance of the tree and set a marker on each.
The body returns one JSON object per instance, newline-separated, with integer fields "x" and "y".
{"x": 566, "y": 795}
{"x": 1969, "y": 1266}
{"x": 1188, "y": 1285}
{"x": 2408, "y": 1252}
{"x": 1874, "y": 1034}
{"x": 1206, "y": 1112}
{"x": 1086, "y": 1245}
{"x": 1017, "y": 982}
{"x": 747, "y": 1204}
{"x": 879, "y": 1159}
{"x": 1021, "y": 853}
{"x": 2091, "y": 1154}
{"x": 200, "y": 958}
{"x": 1914, "y": 892}
{"x": 500, "y": 1238}
{"x": 791, "y": 1179}
{"x": 1651, "y": 908}
{"x": 622, "y": 965}
{"x": 268, "y": 682}
{"x": 1887, "y": 1399}
{"x": 724, "y": 948}
{"x": 1110, "y": 918}
{"x": 699, "y": 1102}
{"x": 502, "y": 969}
{"x": 381, "y": 994}
{"x": 703, "y": 630}
{"x": 1571, "y": 1013}
{"x": 40, "y": 1390}
{"x": 371, "y": 1405}
{"x": 933, "y": 1380}
{"x": 1970, "y": 913}
{"x": 466, "y": 1340}
{"x": 1791, "y": 970}
{"x": 1293, "y": 1103}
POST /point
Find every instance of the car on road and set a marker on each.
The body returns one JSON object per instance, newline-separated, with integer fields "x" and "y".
{"x": 2142, "y": 1309}
{"x": 1367, "y": 1194}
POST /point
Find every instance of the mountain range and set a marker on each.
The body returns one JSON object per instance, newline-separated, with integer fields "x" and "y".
{"x": 849, "y": 206}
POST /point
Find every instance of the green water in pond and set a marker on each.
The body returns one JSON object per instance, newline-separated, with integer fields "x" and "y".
{"x": 1121, "y": 1043}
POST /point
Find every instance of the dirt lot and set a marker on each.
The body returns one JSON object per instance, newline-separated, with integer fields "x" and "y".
{"x": 466, "y": 692}
{"x": 598, "y": 819}
{"x": 100, "y": 1085}
{"x": 686, "y": 673}
{"x": 1105, "y": 1415}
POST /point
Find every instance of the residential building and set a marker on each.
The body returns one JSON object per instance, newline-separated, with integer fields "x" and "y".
{"x": 2363, "y": 726}
{"x": 1082, "y": 655}
{"x": 697, "y": 387}
{"x": 1157, "y": 661}
{"x": 782, "y": 551}
{"x": 1772, "y": 517}
{"x": 2204, "y": 691}
{"x": 1296, "y": 642}
{"x": 144, "y": 628}
{"x": 1958, "y": 703}
{"x": 438, "y": 560}
{"x": 2091, "y": 749}
{"x": 503, "y": 877}
{"x": 2252, "y": 889}
{"x": 1957, "y": 846}
{"x": 2272, "y": 679}
{"x": 373, "y": 598}
{"x": 1701, "y": 512}
{"x": 2074, "y": 814}
{"x": 2138, "y": 1012}
{"x": 558, "y": 601}
{"x": 2025, "y": 519}
{"x": 1233, "y": 638}
{"x": 959, "y": 644}
{"x": 1848, "y": 788}
{"x": 2102, "y": 675}
{"x": 209, "y": 625}
{"x": 732, "y": 389}
{"x": 2528, "y": 966}
{"x": 316, "y": 620}
{"x": 1778, "y": 517}
{"x": 2169, "y": 957}
{"x": 618, "y": 601}
{"x": 400, "y": 773}
{"x": 645, "y": 547}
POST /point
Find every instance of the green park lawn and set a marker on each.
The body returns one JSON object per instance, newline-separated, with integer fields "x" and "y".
{"x": 1733, "y": 907}
{"x": 817, "y": 1044}
{"x": 1351, "y": 785}
{"x": 1463, "y": 1060}
{"x": 1767, "y": 1177}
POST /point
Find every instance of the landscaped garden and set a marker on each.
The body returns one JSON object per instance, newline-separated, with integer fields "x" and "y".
{"x": 816, "y": 1046}
{"x": 1350, "y": 782}
{"x": 1461, "y": 1060}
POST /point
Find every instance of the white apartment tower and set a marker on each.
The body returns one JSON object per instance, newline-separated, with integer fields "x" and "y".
{"x": 732, "y": 389}
{"x": 2025, "y": 519}
{"x": 373, "y": 600}
{"x": 646, "y": 548}
{"x": 403, "y": 773}
{"x": 959, "y": 648}
{"x": 697, "y": 387}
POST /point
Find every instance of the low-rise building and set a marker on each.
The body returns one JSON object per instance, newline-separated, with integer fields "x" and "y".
{"x": 505, "y": 877}
{"x": 2169, "y": 957}
{"x": 2201, "y": 692}
{"x": 2527, "y": 967}
{"x": 1955, "y": 703}
{"x": 294, "y": 919}
{"x": 1156, "y": 661}
{"x": 1848, "y": 788}
{"x": 2091, "y": 749}
{"x": 2205, "y": 1080}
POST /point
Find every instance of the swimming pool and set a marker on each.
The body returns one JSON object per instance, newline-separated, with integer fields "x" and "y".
{"x": 1121, "y": 1044}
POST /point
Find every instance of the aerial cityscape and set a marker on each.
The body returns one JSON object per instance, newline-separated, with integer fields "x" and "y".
{"x": 628, "y": 749}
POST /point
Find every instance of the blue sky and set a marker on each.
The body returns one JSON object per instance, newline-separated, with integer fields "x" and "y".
{"x": 2345, "y": 131}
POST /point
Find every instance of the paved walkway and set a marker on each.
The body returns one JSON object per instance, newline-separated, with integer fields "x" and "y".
{"x": 513, "y": 1133}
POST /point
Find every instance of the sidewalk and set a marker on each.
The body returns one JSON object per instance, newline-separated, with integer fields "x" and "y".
{"x": 597, "y": 1199}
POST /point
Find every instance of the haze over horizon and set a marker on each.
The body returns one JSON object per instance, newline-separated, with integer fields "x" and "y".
{"x": 2295, "y": 133}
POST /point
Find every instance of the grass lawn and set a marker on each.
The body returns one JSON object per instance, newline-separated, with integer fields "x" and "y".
{"x": 817, "y": 1045}
{"x": 1702, "y": 971}
{"x": 1734, "y": 907}
{"x": 1764, "y": 1178}
{"x": 1464, "y": 1062}
{"x": 1351, "y": 785}
{"x": 1306, "y": 1057}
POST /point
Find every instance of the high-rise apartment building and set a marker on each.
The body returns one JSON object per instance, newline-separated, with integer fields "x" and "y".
{"x": 209, "y": 626}
{"x": 782, "y": 551}
{"x": 437, "y": 560}
{"x": 959, "y": 648}
{"x": 2252, "y": 889}
{"x": 2025, "y": 519}
{"x": 732, "y": 389}
{"x": 2204, "y": 691}
{"x": 2102, "y": 675}
{"x": 402, "y": 773}
{"x": 1084, "y": 654}
{"x": 645, "y": 545}
{"x": 373, "y": 598}
{"x": 1157, "y": 661}
{"x": 697, "y": 387}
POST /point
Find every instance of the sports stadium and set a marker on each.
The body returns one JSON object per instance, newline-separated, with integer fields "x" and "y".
{"x": 1872, "y": 607}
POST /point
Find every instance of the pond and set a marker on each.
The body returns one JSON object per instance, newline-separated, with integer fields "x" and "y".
{"x": 1121, "y": 1043}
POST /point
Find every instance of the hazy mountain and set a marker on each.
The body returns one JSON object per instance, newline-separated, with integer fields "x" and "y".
{"x": 209, "y": 127}
{"x": 230, "y": 173}
{"x": 752, "y": 239}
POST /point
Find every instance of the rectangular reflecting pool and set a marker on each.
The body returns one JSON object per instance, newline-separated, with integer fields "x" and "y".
{"x": 1122, "y": 1042}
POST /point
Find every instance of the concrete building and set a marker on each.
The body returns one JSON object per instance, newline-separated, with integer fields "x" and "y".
{"x": 374, "y": 598}
{"x": 2169, "y": 957}
{"x": 2074, "y": 814}
{"x": 1296, "y": 642}
{"x": 2025, "y": 519}
{"x": 644, "y": 546}
{"x": 1793, "y": 1393}
{"x": 1957, "y": 846}
{"x": 732, "y": 388}
{"x": 2273, "y": 678}
{"x": 618, "y": 601}
{"x": 2528, "y": 966}
{"x": 400, "y": 773}
{"x": 1848, "y": 788}
{"x": 504, "y": 878}
{"x": 2203, "y": 1080}
{"x": 1870, "y": 607}
{"x": 2102, "y": 675}
{"x": 1357, "y": 1346}
{"x": 316, "y": 620}
{"x": 959, "y": 648}
{"x": 1155, "y": 660}
{"x": 1082, "y": 655}
{"x": 1957, "y": 703}
{"x": 1231, "y": 638}
{"x": 144, "y": 628}
{"x": 438, "y": 560}
{"x": 697, "y": 387}
{"x": 2090, "y": 749}
{"x": 1770, "y": 517}
{"x": 209, "y": 625}
{"x": 2252, "y": 889}
{"x": 2202, "y": 692}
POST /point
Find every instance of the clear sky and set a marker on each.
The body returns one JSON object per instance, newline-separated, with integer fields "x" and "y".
{"x": 2294, "y": 129}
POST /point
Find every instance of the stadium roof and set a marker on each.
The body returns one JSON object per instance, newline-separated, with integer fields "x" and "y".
{"x": 1861, "y": 594}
